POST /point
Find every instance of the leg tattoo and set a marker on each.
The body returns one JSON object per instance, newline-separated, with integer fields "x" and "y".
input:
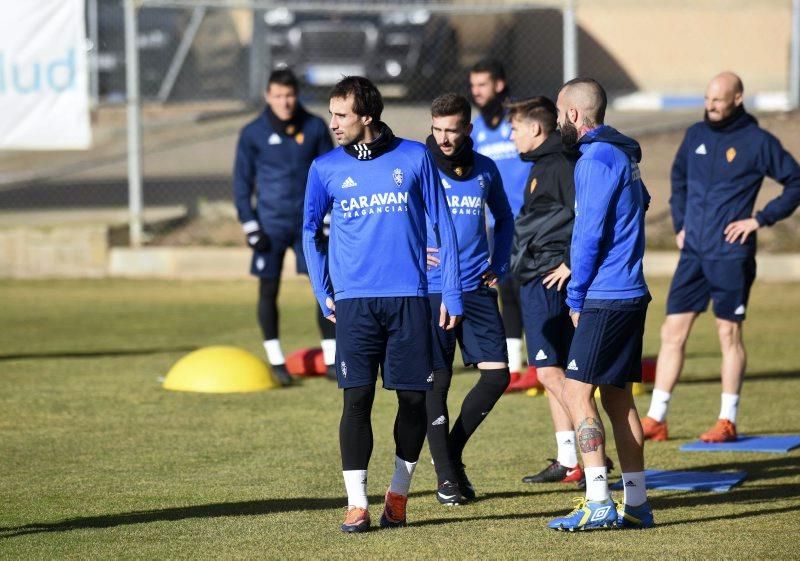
{"x": 590, "y": 434}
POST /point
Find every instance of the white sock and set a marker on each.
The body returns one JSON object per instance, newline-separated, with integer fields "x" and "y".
{"x": 401, "y": 480}
{"x": 274, "y": 352}
{"x": 567, "y": 456}
{"x": 729, "y": 407}
{"x": 355, "y": 481}
{"x": 328, "y": 351}
{"x": 635, "y": 491}
{"x": 514, "y": 347}
{"x": 596, "y": 483}
{"x": 658, "y": 405}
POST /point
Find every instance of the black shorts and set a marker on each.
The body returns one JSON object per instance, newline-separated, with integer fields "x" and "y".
{"x": 480, "y": 334}
{"x": 392, "y": 333}
{"x": 548, "y": 327}
{"x": 607, "y": 346}
{"x": 725, "y": 282}
{"x": 269, "y": 264}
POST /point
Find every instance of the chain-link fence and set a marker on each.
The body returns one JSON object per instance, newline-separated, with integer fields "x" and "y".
{"x": 203, "y": 65}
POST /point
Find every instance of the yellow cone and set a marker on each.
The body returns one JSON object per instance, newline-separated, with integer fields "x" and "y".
{"x": 533, "y": 392}
{"x": 220, "y": 369}
{"x": 638, "y": 389}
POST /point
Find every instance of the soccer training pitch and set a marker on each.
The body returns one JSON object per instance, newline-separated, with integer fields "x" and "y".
{"x": 97, "y": 461}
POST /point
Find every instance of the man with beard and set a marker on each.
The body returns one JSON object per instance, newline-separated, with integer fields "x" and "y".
{"x": 471, "y": 183}
{"x": 608, "y": 298}
{"x": 716, "y": 177}
{"x": 269, "y": 181}
{"x": 382, "y": 191}
{"x": 491, "y": 134}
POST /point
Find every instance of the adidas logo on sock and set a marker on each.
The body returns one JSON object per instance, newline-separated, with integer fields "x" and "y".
{"x": 440, "y": 420}
{"x": 541, "y": 355}
{"x": 630, "y": 483}
{"x": 349, "y": 182}
{"x": 600, "y": 477}
{"x": 572, "y": 365}
{"x": 568, "y": 441}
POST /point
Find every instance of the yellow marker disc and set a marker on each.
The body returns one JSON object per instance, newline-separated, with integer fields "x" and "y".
{"x": 220, "y": 369}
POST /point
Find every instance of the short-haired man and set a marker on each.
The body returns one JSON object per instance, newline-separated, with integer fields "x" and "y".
{"x": 491, "y": 135}
{"x": 273, "y": 155}
{"x": 608, "y": 298}
{"x": 471, "y": 183}
{"x": 716, "y": 178}
{"x": 540, "y": 263}
{"x": 381, "y": 191}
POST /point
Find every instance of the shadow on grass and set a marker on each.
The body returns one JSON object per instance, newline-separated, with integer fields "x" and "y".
{"x": 749, "y": 377}
{"x": 97, "y": 353}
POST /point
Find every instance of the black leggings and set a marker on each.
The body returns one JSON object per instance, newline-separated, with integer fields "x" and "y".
{"x": 511, "y": 308}
{"x": 355, "y": 428}
{"x": 268, "y": 311}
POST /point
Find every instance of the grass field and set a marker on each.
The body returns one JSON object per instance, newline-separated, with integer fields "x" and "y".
{"x": 98, "y": 462}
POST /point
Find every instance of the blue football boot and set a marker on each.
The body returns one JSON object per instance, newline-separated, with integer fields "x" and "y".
{"x": 588, "y": 515}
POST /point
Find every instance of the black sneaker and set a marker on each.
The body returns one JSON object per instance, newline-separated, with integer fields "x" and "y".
{"x": 609, "y": 468}
{"x": 449, "y": 494}
{"x": 282, "y": 375}
{"x": 330, "y": 373}
{"x": 464, "y": 484}
{"x": 555, "y": 473}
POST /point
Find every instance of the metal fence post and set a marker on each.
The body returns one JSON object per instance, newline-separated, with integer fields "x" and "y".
{"x": 794, "y": 69}
{"x": 92, "y": 21}
{"x": 570, "y": 41}
{"x": 134, "y": 125}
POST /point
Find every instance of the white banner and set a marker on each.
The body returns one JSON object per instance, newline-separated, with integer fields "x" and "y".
{"x": 44, "y": 90}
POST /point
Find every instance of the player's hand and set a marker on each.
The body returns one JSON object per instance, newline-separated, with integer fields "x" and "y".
{"x": 575, "y": 317}
{"x": 258, "y": 240}
{"x": 679, "y": 238}
{"x": 557, "y": 277}
{"x": 741, "y": 228}
{"x": 431, "y": 258}
{"x": 446, "y": 321}
{"x": 490, "y": 278}
{"x": 331, "y": 306}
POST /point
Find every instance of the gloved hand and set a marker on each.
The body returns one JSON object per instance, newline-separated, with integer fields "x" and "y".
{"x": 258, "y": 240}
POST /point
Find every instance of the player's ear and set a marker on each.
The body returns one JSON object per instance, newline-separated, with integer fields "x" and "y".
{"x": 366, "y": 120}
{"x": 499, "y": 85}
{"x": 536, "y": 128}
{"x": 469, "y": 129}
{"x": 572, "y": 115}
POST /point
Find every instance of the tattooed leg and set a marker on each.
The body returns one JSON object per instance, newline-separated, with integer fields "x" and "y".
{"x": 590, "y": 435}
{"x": 579, "y": 398}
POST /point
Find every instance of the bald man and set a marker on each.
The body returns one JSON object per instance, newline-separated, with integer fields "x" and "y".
{"x": 716, "y": 177}
{"x": 608, "y": 297}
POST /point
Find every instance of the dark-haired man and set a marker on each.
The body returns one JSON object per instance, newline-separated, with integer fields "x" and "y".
{"x": 382, "y": 191}
{"x": 491, "y": 135}
{"x": 608, "y": 298}
{"x": 273, "y": 155}
{"x": 471, "y": 183}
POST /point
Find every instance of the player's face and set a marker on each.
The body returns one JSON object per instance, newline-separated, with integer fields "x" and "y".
{"x": 569, "y": 131}
{"x": 483, "y": 88}
{"x": 720, "y": 100}
{"x": 523, "y": 134}
{"x": 450, "y": 132}
{"x": 347, "y": 127}
{"x": 282, "y": 100}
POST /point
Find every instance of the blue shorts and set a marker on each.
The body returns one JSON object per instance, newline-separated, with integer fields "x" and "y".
{"x": 607, "y": 346}
{"x": 269, "y": 264}
{"x": 725, "y": 282}
{"x": 548, "y": 327}
{"x": 392, "y": 333}
{"x": 480, "y": 333}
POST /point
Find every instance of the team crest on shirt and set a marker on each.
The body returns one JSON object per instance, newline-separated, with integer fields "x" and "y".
{"x": 397, "y": 174}
{"x": 459, "y": 171}
{"x": 533, "y": 184}
{"x": 299, "y": 138}
{"x": 730, "y": 154}
{"x": 290, "y": 130}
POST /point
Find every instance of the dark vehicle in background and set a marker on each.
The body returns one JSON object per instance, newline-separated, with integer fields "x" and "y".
{"x": 407, "y": 52}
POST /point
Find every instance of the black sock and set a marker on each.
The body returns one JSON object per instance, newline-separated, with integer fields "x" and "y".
{"x": 268, "y": 307}
{"x": 476, "y": 406}
{"x": 439, "y": 425}
{"x": 409, "y": 425}
{"x": 355, "y": 428}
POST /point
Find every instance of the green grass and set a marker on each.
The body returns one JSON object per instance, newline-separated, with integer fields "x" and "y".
{"x": 97, "y": 461}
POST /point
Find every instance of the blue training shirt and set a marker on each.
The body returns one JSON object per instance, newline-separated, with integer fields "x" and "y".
{"x": 468, "y": 199}
{"x": 378, "y": 226}
{"x": 608, "y": 235}
{"x": 496, "y": 143}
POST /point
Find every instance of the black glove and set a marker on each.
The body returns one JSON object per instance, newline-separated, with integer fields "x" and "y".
{"x": 258, "y": 240}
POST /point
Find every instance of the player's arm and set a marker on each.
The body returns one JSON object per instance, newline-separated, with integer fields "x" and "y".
{"x": 317, "y": 204}
{"x": 497, "y": 201}
{"x": 595, "y": 184}
{"x": 439, "y": 216}
{"x": 783, "y": 168}
{"x": 244, "y": 183}
{"x": 677, "y": 199}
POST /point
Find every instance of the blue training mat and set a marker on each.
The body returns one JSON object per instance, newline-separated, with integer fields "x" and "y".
{"x": 716, "y": 481}
{"x": 774, "y": 444}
